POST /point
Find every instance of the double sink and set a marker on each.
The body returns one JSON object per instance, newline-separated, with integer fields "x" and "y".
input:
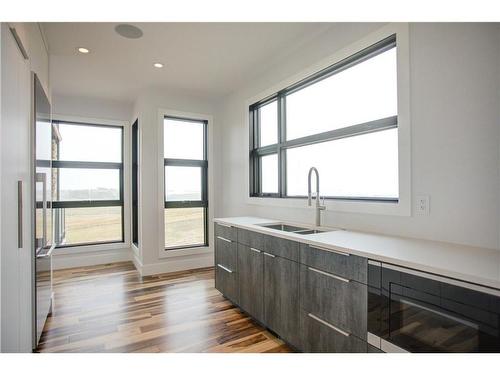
{"x": 294, "y": 229}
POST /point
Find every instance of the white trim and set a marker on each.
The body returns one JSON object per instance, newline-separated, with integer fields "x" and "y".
{"x": 89, "y": 120}
{"x": 62, "y": 261}
{"x": 202, "y": 251}
{"x": 401, "y": 208}
{"x": 97, "y": 248}
{"x": 180, "y": 263}
{"x": 136, "y": 259}
{"x": 184, "y": 252}
{"x": 127, "y": 196}
{"x": 135, "y": 249}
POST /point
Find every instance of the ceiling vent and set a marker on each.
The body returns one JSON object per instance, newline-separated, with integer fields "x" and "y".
{"x": 128, "y": 31}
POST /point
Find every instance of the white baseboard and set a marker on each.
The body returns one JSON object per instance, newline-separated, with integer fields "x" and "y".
{"x": 61, "y": 261}
{"x": 178, "y": 264}
{"x": 174, "y": 264}
{"x": 137, "y": 262}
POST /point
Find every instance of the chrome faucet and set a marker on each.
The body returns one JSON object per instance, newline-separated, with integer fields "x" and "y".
{"x": 319, "y": 207}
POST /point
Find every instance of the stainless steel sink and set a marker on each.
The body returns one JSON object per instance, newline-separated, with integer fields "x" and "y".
{"x": 311, "y": 231}
{"x": 293, "y": 229}
{"x": 283, "y": 227}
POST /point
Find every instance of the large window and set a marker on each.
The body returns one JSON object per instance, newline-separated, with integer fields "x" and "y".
{"x": 185, "y": 166}
{"x": 342, "y": 120}
{"x": 88, "y": 183}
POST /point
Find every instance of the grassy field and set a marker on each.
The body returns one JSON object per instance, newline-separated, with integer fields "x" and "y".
{"x": 183, "y": 226}
{"x": 96, "y": 224}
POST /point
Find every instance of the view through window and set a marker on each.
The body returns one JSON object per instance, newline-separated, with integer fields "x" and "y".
{"x": 342, "y": 120}
{"x": 185, "y": 166}
{"x": 87, "y": 183}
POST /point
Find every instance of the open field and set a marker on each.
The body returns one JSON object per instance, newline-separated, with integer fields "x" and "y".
{"x": 102, "y": 224}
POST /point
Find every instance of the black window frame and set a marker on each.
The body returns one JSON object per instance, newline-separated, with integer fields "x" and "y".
{"x": 203, "y": 164}
{"x": 60, "y": 164}
{"x": 256, "y": 152}
{"x": 135, "y": 183}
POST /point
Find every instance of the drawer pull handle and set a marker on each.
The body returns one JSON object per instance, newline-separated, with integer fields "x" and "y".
{"x": 256, "y": 250}
{"x": 224, "y": 268}
{"x": 270, "y": 255}
{"x": 329, "y": 275}
{"x": 329, "y": 325}
{"x": 330, "y": 250}
{"x": 224, "y": 225}
{"x": 223, "y": 239}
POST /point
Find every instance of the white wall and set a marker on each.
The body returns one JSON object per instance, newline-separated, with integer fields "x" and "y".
{"x": 147, "y": 258}
{"x": 455, "y": 80}
{"x": 97, "y": 108}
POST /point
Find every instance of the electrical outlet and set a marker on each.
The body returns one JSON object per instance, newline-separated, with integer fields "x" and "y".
{"x": 422, "y": 205}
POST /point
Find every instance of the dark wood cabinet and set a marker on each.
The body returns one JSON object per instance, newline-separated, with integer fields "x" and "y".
{"x": 313, "y": 299}
{"x": 346, "y": 265}
{"x": 281, "y": 298}
{"x": 226, "y": 262}
{"x": 321, "y": 337}
{"x": 227, "y": 253}
{"x": 251, "y": 280}
{"x": 334, "y": 299}
{"x": 226, "y": 281}
{"x": 372, "y": 349}
{"x": 283, "y": 248}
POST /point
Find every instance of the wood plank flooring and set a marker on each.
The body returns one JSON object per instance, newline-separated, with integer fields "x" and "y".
{"x": 110, "y": 308}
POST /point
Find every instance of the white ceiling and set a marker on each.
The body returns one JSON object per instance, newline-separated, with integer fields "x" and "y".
{"x": 205, "y": 58}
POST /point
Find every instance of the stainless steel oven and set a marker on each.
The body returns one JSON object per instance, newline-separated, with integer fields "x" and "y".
{"x": 414, "y": 311}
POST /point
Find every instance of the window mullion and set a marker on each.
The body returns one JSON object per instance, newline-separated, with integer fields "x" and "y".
{"x": 281, "y": 139}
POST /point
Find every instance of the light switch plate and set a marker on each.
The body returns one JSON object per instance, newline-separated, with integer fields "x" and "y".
{"x": 422, "y": 204}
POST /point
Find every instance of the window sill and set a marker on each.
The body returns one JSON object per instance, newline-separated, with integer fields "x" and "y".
{"x": 400, "y": 208}
{"x": 199, "y": 250}
{"x": 91, "y": 248}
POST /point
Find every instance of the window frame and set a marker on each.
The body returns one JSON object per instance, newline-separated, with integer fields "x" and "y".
{"x": 60, "y": 164}
{"x": 203, "y": 165}
{"x": 135, "y": 183}
{"x": 256, "y": 152}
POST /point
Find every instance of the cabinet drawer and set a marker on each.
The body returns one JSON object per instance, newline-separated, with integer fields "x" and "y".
{"x": 226, "y": 253}
{"x": 283, "y": 248}
{"x": 338, "y": 301}
{"x": 349, "y": 266}
{"x": 226, "y": 282}
{"x": 323, "y": 337}
{"x": 251, "y": 239}
{"x": 225, "y": 231}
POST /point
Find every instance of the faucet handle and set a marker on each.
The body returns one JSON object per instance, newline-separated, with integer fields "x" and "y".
{"x": 322, "y": 206}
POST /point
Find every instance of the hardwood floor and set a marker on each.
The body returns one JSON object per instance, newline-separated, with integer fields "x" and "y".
{"x": 110, "y": 308}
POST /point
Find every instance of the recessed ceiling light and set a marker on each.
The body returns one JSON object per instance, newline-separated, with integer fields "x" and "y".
{"x": 158, "y": 65}
{"x": 83, "y": 50}
{"x": 128, "y": 31}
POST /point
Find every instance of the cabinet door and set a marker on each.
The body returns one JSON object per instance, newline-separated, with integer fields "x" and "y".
{"x": 251, "y": 280}
{"x": 281, "y": 298}
{"x": 15, "y": 257}
{"x": 272, "y": 293}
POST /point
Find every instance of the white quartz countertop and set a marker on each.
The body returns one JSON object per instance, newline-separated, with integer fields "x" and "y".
{"x": 471, "y": 264}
